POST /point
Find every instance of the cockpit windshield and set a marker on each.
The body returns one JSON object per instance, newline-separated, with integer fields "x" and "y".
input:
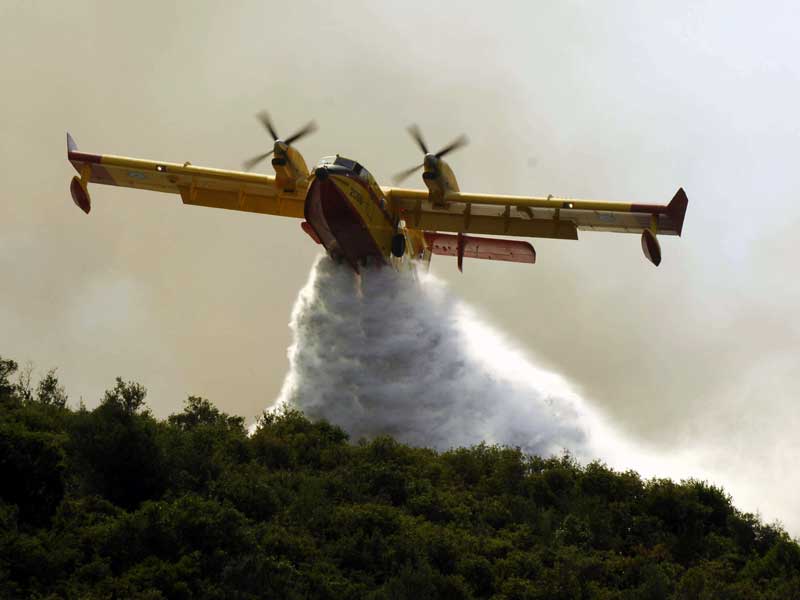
{"x": 350, "y": 165}
{"x": 364, "y": 174}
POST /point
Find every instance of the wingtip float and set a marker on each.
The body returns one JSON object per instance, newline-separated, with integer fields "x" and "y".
{"x": 361, "y": 222}
{"x": 79, "y": 186}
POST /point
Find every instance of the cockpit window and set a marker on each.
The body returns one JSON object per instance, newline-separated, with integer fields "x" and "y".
{"x": 348, "y": 164}
{"x": 364, "y": 174}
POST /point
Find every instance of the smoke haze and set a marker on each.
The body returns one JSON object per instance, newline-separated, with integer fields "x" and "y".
{"x": 610, "y": 100}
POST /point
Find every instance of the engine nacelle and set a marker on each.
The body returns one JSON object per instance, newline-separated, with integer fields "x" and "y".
{"x": 436, "y": 188}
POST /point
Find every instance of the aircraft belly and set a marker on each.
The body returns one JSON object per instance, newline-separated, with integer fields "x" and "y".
{"x": 340, "y": 227}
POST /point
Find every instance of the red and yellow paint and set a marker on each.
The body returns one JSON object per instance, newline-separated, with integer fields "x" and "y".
{"x": 358, "y": 221}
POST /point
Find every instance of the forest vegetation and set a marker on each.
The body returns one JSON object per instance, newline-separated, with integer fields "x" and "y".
{"x": 115, "y": 503}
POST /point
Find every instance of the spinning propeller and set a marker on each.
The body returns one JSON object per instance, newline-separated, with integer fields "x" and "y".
{"x": 280, "y": 145}
{"x": 431, "y": 159}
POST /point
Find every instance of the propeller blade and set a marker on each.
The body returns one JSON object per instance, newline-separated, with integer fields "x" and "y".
{"x": 459, "y": 142}
{"x": 310, "y": 128}
{"x": 263, "y": 116}
{"x": 417, "y": 135}
{"x": 249, "y": 164}
{"x": 400, "y": 176}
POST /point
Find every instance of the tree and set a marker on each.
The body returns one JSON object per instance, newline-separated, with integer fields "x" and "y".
{"x": 201, "y": 443}
{"x": 31, "y": 471}
{"x": 7, "y": 369}
{"x": 127, "y": 396}
{"x": 116, "y": 450}
{"x": 199, "y": 411}
{"x": 24, "y": 387}
{"x": 50, "y": 392}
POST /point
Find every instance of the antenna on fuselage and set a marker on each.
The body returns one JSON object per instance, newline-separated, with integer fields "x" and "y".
{"x": 280, "y": 146}
{"x": 431, "y": 161}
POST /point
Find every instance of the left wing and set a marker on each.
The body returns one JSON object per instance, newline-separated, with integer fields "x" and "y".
{"x": 529, "y": 216}
{"x": 201, "y": 186}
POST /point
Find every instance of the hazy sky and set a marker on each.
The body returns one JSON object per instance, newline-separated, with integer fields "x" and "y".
{"x": 610, "y": 100}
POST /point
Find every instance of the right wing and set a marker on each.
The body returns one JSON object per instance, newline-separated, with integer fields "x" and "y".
{"x": 200, "y": 186}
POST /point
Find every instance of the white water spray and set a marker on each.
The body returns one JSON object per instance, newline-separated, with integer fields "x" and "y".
{"x": 386, "y": 354}
{"x": 391, "y": 355}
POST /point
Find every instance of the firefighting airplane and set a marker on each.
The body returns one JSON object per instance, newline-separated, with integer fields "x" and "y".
{"x": 360, "y": 222}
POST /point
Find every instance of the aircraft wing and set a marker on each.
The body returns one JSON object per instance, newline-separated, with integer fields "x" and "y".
{"x": 529, "y": 216}
{"x": 200, "y": 186}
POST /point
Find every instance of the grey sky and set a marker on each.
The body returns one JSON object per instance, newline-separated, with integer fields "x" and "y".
{"x": 609, "y": 100}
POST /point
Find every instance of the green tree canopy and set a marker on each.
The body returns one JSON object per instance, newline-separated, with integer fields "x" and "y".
{"x": 114, "y": 503}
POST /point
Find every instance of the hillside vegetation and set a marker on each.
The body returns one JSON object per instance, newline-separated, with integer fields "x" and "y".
{"x": 113, "y": 503}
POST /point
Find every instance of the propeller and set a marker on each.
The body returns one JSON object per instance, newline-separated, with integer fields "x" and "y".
{"x": 280, "y": 144}
{"x": 431, "y": 159}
